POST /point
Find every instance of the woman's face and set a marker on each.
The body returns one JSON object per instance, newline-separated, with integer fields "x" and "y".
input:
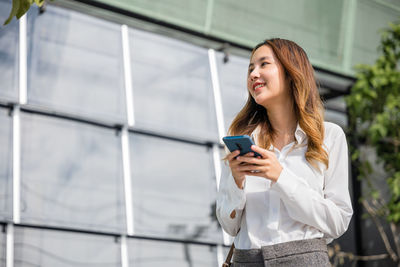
{"x": 266, "y": 80}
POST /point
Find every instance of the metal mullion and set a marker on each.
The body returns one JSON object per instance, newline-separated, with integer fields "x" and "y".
{"x": 127, "y": 180}
{"x": 347, "y": 31}
{"x": 220, "y": 255}
{"x": 124, "y": 252}
{"x": 10, "y": 245}
{"x": 16, "y": 163}
{"x": 217, "y": 164}
{"x": 209, "y": 14}
{"x": 217, "y": 94}
{"x": 127, "y": 75}
{"x": 22, "y": 99}
{"x": 220, "y": 122}
{"x": 217, "y": 167}
{"x": 22, "y": 60}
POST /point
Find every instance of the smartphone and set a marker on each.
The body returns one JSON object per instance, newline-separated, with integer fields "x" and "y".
{"x": 240, "y": 142}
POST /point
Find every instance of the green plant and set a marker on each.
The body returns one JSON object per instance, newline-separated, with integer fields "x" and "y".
{"x": 20, "y": 7}
{"x": 374, "y": 122}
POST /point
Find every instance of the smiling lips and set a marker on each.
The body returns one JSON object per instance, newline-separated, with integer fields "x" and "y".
{"x": 257, "y": 86}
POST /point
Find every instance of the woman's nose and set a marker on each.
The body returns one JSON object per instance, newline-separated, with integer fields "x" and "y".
{"x": 254, "y": 74}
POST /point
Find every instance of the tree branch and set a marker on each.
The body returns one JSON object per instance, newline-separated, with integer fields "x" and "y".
{"x": 339, "y": 256}
{"x": 353, "y": 257}
{"x": 382, "y": 233}
{"x": 395, "y": 237}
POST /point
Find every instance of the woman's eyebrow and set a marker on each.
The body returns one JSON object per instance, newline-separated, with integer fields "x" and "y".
{"x": 260, "y": 59}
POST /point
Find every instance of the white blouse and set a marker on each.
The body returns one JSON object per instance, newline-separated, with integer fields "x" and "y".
{"x": 304, "y": 203}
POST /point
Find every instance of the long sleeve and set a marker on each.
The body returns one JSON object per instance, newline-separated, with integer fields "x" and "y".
{"x": 229, "y": 198}
{"x": 330, "y": 212}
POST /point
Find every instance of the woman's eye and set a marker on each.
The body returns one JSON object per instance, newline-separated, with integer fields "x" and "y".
{"x": 250, "y": 70}
{"x": 264, "y": 64}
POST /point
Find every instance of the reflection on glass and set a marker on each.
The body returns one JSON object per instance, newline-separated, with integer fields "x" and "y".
{"x": 174, "y": 189}
{"x": 172, "y": 86}
{"x": 71, "y": 174}
{"x": 320, "y": 35}
{"x": 188, "y": 14}
{"x": 148, "y": 253}
{"x": 5, "y": 165}
{"x": 337, "y": 103}
{"x": 8, "y": 54}
{"x": 336, "y": 117}
{"x": 49, "y": 248}
{"x": 232, "y": 80}
{"x": 203, "y": 256}
{"x": 371, "y": 17}
{"x": 75, "y": 64}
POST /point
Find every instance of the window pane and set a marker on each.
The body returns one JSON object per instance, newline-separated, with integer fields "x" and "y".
{"x": 370, "y": 19}
{"x": 172, "y": 86}
{"x": 188, "y": 14}
{"x": 3, "y": 248}
{"x": 336, "y": 117}
{"x": 71, "y": 174}
{"x": 75, "y": 64}
{"x": 233, "y": 84}
{"x": 48, "y": 248}
{"x": 203, "y": 256}
{"x": 174, "y": 189}
{"x": 148, "y": 253}
{"x": 8, "y": 54}
{"x": 314, "y": 24}
{"x": 5, "y": 164}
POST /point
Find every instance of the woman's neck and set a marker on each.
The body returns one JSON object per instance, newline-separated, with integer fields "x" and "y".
{"x": 282, "y": 119}
{"x": 284, "y": 125}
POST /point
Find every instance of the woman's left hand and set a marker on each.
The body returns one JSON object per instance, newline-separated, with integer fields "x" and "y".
{"x": 268, "y": 166}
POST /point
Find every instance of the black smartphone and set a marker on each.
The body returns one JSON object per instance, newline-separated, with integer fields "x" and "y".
{"x": 240, "y": 142}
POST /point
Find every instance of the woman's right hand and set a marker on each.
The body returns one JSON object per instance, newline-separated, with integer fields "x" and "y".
{"x": 239, "y": 176}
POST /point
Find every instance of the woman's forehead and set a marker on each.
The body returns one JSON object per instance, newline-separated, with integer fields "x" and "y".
{"x": 264, "y": 52}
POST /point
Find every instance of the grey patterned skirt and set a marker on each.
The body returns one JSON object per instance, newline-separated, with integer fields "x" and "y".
{"x": 308, "y": 252}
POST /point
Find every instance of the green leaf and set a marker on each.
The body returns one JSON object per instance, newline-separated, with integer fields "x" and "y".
{"x": 23, "y": 8}
{"x": 14, "y": 10}
{"x": 355, "y": 155}
{"x": 20, "y": 7}
{"x": 39, "y": 2}
{"x": 375, "y": 194}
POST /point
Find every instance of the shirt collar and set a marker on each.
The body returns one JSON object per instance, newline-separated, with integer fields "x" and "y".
{"x": 299, "y": 134}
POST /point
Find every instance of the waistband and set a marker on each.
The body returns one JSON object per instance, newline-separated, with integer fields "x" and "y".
{"x": 280, "y": 250}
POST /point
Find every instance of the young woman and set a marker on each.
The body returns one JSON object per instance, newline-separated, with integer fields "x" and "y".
{"x": 285, "y": 206}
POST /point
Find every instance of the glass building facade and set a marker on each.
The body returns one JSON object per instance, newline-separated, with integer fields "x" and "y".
{"x": 111, "y": 137}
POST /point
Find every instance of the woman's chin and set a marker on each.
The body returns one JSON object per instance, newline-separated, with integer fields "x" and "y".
{"x": 261, "y": 100}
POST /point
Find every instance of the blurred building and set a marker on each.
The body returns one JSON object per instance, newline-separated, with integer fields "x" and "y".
{"x": 112, "y": 114}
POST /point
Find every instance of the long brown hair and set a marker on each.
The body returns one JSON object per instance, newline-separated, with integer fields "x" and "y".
{"x": 307, "y": 103}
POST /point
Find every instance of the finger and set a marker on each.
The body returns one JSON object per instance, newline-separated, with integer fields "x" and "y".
{"x": 251, "y": 160}
{"x": 233, "y": 154}
{"x": 263, "y": 152}
{"x": 235, "y": 163}
{"x": 249, "y": 154}
{"x": 248, "y": 167}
